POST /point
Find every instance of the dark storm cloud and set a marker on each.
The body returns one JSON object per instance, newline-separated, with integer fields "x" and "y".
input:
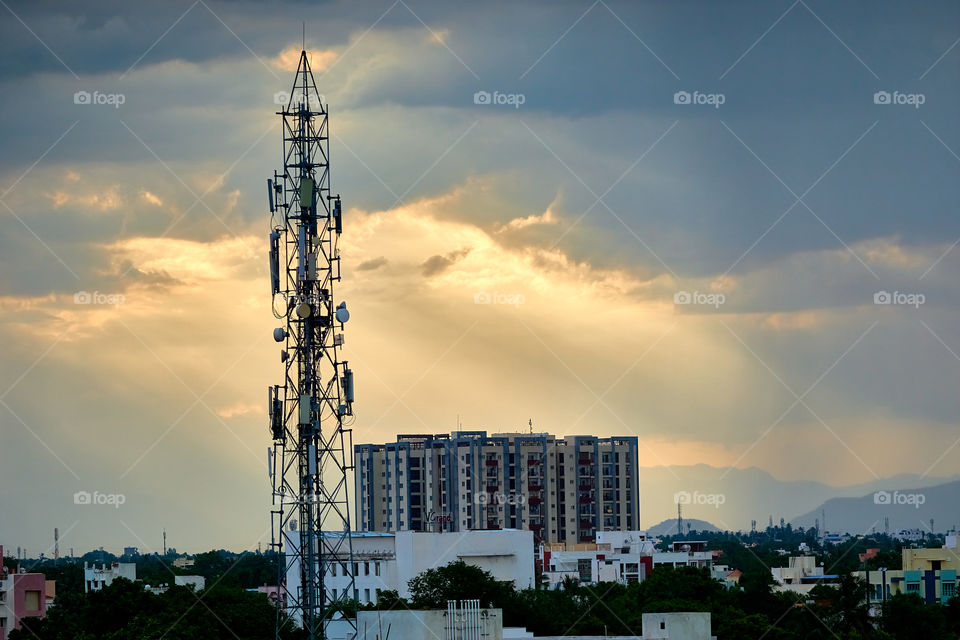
{"x": 372, "y": 264}
{"x": 438, "y": 264}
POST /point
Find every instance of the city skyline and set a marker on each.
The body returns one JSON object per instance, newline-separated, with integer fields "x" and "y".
{"x": 724, "y": 231}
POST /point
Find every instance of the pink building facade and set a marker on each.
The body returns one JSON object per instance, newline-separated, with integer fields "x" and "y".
{"x": 22, "y": 595}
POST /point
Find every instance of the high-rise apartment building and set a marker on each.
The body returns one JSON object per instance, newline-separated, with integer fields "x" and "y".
{"x": 562, "y": 489}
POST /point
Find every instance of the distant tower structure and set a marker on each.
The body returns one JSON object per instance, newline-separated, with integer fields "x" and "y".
{"x": 770, "y": 525}
{"x": 164, "y": 542}
{"x": 753, "y": 526}
{"x": 823, "y": 519}
{"x": 816, "y": 525}
{"x": 56, "y": 543}
{"x": 679, "y": 519}
{"x": 886, "y": 525}
{"x": 782, "y": 523}
{"x": 931, "y": 525}
{"x": 311, "y": 411}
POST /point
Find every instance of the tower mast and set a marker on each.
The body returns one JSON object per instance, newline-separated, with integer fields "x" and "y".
{"x": 310, "y": 413}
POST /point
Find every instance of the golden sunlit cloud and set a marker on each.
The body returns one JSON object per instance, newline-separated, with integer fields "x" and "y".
{"x": 289, "y": 59}
{"x": 187, "y": 261}
{"x": 152, "y": 199}
{"x": 796, "y": 321}
{"x": 547, "y": 217}
{"x": 438, "y": 36}
{"x": 238, "y": 409}
{"x": 108, "y": 199}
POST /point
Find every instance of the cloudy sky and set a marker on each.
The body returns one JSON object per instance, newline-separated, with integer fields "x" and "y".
{"x": 681, "y": 218}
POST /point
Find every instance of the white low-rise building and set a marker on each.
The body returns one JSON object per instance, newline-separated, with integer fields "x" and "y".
{"x": 685, "y": 553}
{"x": 676, "y": 626}
{"x": 617, "y": 556}
{"x": 456, "y": 621}
{"x": 96, "y": 578}
{"x": 388, "y": 561}
{"x": 197, "y": 582}
{"x": 800, "y": 575}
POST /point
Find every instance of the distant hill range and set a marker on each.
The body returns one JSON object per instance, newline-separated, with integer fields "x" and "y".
{"x": 892, "y": 507}
{"x": 731, "y": 498}
{"x": 669, "y": 527}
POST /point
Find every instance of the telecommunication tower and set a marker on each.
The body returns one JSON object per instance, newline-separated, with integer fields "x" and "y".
{"x": 311, "y": 411}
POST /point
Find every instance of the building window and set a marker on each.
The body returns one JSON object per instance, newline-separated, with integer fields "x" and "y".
{"x": 948, "y": 589}
{"x": 31, "y": 601}
{"x": 376, "y": 568}
{"x": 366, "y": 572}
{"x": 913, "y": 587}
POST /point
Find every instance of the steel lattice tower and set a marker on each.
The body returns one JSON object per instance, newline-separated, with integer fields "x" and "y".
{"x": 310, "y": 413}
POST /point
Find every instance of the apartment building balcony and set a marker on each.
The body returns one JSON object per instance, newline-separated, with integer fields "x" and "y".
{"x": 534, "y": 488}
{"x": 491, "y": 463}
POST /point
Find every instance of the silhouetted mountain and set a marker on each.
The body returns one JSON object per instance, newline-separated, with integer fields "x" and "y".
{"x": 669, "y": 527}
{"x": 907, "y": 508}
{"x": 730, "y": 497}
